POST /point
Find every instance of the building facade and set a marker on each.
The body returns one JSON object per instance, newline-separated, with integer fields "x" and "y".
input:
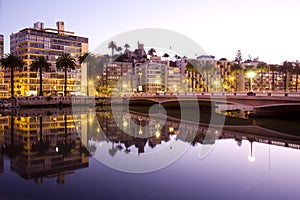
{"x": 3, "y": 86}
{"x": 1, "y": 45}
{"x": 30, "y": 43}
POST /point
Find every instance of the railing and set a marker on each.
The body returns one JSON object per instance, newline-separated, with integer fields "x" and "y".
{"x": 227, "y": 94}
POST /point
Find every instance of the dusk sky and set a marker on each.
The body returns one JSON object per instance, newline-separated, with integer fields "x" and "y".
{"x": 265, "y": 28}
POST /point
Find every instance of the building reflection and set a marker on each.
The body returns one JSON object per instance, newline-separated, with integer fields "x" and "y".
{"x": 120, "y": 138}
{"x": 54, "y": 144}
{"x": 43, "y": 146}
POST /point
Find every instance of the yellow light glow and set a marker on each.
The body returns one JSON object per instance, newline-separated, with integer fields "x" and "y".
{"x": 251, "y": 74}
{"x": 125, "y": 123}
{"x": 251, "y": 158}
{"x": 157, "y": 134}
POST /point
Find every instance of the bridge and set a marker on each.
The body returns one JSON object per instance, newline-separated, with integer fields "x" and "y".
{"x": 262, "y": 103}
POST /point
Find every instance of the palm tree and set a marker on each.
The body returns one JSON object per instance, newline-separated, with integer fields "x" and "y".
{"x": 40, "y": 145}
{"x": 66, "y": 146}
{"x": 12, "y": 63}
{"x": 151, "y": 52}
{"x": 112, "y": 45}
{"x": 65, "y": 62}
{"x": 166, "y": 56}
{"x": 40, "y": 64}
{"x": 119, "y": 49}
{"x": 92, "y": 64}
{"x": 126, "y": 47}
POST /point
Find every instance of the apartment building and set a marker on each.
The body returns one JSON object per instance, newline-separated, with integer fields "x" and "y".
{"x": 30, "y": 43}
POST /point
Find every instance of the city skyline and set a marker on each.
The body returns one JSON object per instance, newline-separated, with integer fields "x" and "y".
{"x": 262, "y": 29}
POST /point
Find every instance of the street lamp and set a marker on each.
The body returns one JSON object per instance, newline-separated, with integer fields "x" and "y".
{"x": 140, "y": 86}
{"x": 216, "y": 83}
{"x": 124, "y": 86}
{"x": 251, "y": 158}
{"x": 251, "y": 75}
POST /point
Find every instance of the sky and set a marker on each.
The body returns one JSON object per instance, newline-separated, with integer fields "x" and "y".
{"x": 268, "y": 29}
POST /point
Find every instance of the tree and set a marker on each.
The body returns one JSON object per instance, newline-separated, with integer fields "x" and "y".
{"x": 12, "y": 63}
{"x": 126, "y": 47}
{"x": 238, "y": 57}
{"x": 40, "y": 64}
{"x": 119, "y": 49}
{"x": 166, "y": 55}
{"x": 151, "y": 52}
{"x": 112, "y": 45}
{"x": 41, "y": 146}
{"x": 66, "y": 146}
{"x": 90, "y": 60}
{"x": 65, "y": 62}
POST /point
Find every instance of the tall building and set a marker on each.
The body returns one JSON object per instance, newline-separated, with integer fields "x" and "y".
{"x": 30, "y": 43}
{"x": 1, "y": 46}
{"x": 45, "y": 146}
{"x": 3, "y": 86}
{"x": 158, "y": 76}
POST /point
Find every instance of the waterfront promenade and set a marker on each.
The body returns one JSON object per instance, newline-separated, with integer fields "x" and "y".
{"x": 260, "y": 103}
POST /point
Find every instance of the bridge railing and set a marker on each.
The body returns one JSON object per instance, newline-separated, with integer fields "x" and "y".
{"x": 229, "y": 94}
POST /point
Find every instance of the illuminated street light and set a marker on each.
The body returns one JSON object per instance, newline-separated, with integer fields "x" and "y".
{"x": 251, "y": 75}
{"x": 251, "y": 158}
{"x": 157, "y": 134}
{"x": 216, "y": 83}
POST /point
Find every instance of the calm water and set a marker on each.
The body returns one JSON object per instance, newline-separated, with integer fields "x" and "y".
{"x": 57, "y": 154}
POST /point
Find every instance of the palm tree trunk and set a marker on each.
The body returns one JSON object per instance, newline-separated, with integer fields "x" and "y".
{"x": 41, "y": 82}
{"x": 193, "y": 77}
{"x": 273, "y": 80}
{"x": 12, "y": 82}
{"x": 12, "y": 124}
{"x": 65, "y": 92}
{"x": 297, "y": 80}
{"x": 207, "y": 90}
{"x": 236, "y": 82}
{"x": 286, "y": 81}
{"x": 66, "y": 132}
{"x": 261, "y": 80}
{"x": 41, "y": 128}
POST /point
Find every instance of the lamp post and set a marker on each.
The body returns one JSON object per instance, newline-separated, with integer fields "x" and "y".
{"x": 216, "y": 83}
{"x": 251, "y": 158}
{"x": 250, "y": 75}
{"x": 140, "y": 82}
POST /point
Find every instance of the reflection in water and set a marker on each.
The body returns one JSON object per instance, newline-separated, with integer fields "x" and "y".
{"x": 58, "y": 143}
{"x": 42, "y": 146}
{"x": 158, "y": 133}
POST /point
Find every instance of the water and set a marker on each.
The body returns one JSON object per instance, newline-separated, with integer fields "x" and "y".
{"x": 158, "y": 159}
